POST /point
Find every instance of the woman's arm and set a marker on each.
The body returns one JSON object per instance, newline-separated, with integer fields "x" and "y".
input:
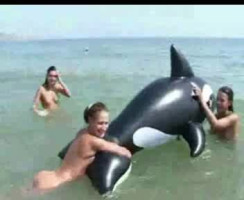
{"x": 37, "y": 102}
{"x": 63, "y": 89}
{"x": 103, "y": 145}
{"x": 216, "y": 124}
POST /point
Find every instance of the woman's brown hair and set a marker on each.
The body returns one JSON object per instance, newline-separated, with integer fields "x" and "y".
{"x": 51, "y": 68}
{"x": 92, "y": 109}
{"x": 229, "y": 92}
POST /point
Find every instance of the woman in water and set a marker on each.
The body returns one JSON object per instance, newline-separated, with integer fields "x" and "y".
{"x": 48, "y": 92}
{"x": 225, "y": 123}
{"x": 82, "y": 150}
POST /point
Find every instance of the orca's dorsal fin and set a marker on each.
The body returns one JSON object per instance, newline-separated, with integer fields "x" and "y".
{"x": 180, "y": 67}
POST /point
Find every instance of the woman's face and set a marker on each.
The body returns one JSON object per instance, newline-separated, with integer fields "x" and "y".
{"x": 99, "y": 123}
{"x": 52, "y": 77}
{"x": 223, "y": 102}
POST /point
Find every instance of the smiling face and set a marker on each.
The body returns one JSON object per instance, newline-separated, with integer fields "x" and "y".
{"x": 52, "y": 77}
{"x": 223, "y": 102}
{"x": 98, "y": 124}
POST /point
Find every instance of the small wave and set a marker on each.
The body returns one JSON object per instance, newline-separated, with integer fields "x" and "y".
{"x": 209, "y": 173}
{"x": 206, "y": 154}
{"x": 210, "y": 56}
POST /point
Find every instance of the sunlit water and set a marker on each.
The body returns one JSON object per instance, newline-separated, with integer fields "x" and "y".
{"x": 114, "y": 71}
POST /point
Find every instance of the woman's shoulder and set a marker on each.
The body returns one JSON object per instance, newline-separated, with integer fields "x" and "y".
{"x": 82, "y": 133}
{"x": 41, "y": 88}
{"x": 234, "y": 117}
{"x": 231, "y": 117}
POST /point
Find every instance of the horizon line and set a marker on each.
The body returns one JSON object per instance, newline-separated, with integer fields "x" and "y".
{"x": 121, "y": 37}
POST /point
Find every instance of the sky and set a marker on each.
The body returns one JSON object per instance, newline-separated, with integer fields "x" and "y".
{"x": 89, "y": 21}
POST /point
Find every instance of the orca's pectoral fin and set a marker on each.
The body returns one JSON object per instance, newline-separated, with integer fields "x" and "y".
{"x": 194, "y": 134}
{"x": 108, "y": 170}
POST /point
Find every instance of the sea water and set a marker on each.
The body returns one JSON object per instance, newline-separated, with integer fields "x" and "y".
{"x": 114, "y": 71}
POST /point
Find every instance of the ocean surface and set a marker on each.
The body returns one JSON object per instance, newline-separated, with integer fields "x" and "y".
{"x": 114, "y": 71}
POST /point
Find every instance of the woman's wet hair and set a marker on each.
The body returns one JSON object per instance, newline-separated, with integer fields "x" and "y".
{"x": 51, "y": 68}
{"x": 92, "y": 109}
{"x": 229, "y": 92}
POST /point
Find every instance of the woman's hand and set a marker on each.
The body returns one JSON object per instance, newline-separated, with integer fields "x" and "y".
{"x": 63, "y": 89}
{"x": 126, "y": 152}
{"x": 59, "y": 76}
{"x": 42, "y": 113}
{"x": 197, "y": 92}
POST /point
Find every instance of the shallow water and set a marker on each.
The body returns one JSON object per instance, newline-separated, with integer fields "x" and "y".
{"x": 114, "y": 71}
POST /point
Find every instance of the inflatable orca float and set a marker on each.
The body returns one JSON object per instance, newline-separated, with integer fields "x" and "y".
{"x": 163, "y": 110}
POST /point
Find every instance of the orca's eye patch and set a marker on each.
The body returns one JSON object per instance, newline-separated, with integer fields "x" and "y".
{"x": 207, "y": 94}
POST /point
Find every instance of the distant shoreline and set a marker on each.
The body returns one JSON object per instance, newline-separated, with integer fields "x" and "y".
{"x": 10, "y": 38}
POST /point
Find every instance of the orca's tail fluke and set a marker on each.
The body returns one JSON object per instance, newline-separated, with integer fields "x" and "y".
{"x": 63, "y": 152}
{"x": 194, "y": 134}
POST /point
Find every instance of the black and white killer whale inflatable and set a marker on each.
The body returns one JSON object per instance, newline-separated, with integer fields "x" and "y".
{"x": 160, "y": 112}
